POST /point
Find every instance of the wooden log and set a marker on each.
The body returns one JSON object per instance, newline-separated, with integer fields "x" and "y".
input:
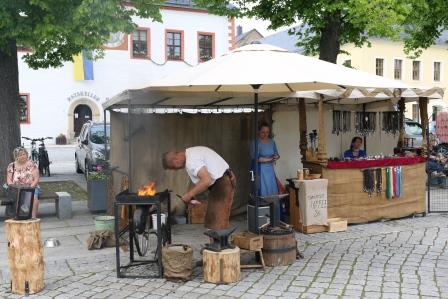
{"x": 221, "y": 267}
{"x": 303, "y": 129}
{"x": 322, "y": 144}
{"x": 401, "y": 108}
{"x": 279, "y": 250}
{"x": 25, "y": 256}
{"x": 423, "y": 105}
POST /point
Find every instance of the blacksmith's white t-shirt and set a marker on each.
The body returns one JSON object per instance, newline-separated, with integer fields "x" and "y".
{"x": 199, "y": 156}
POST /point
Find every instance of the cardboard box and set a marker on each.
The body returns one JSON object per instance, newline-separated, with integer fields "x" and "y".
{"x": 336, "y": 225}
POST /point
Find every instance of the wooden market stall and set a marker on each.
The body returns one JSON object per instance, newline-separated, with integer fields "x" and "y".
{"x": 347, "y": 195}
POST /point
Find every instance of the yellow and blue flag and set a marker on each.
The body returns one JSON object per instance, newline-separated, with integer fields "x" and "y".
{"x": 82, "y": 67}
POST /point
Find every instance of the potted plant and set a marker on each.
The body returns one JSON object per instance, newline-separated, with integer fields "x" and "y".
{"x": 97, "y": 190}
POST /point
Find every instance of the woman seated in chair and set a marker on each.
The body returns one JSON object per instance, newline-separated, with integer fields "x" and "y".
{"x": 24, "y": 172}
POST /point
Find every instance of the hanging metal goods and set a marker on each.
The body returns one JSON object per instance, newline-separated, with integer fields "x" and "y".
{"x": 341, "y": 122}
{"x": 368, "y": 181}
{"x": 391, "y": 122}
{"x": 365, "y": 123}
{"x": 313, "y": 140}
{"x": 372, "y": 181}
{"x": 379, "y": 180}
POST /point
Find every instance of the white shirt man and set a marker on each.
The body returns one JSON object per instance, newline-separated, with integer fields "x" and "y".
{"x": 207, "y": 170}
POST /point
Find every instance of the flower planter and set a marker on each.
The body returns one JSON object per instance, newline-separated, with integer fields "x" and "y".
{"x": 97, "y": 195}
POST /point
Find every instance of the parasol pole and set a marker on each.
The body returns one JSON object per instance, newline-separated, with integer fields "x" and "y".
{"x": 255, "y": 177}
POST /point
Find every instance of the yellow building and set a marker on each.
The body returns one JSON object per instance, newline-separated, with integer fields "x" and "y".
{"x": 386, "y": 58}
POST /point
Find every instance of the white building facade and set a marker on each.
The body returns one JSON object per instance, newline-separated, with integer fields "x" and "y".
{"x": 53, "y": 102}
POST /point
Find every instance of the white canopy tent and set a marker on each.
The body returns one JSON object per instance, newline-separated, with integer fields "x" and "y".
{"x": 259, "y": 74}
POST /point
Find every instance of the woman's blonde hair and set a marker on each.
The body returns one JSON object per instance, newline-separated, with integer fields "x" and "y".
{"x": 18, "y": 150}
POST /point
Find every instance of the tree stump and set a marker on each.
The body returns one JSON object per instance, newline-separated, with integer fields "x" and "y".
{"x": 221, "y": 267}
{"x": 25, "y": 256}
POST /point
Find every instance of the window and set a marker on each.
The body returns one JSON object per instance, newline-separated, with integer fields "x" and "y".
{"x": 206, "y": 45}
{"x": 415, "y": 112}
{"x": 437, "y": 67}
{"x": 174, "y": 45}
{"x": 140, "y": 43}
{"x": 435, "y": 110}
{"x": 379, "y": 67}
{"x": 415, "y": 70}
{"x": 347, "y": 63}
{"x": 24, "y": 109}
{"x": 398, "y": 63}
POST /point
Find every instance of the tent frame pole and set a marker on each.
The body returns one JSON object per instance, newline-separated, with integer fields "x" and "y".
{"x": 129, "y": 147}
{"x": 255, "y": 181}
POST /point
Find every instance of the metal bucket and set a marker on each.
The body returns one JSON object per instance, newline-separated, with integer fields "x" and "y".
{"x": 104, "y": 223}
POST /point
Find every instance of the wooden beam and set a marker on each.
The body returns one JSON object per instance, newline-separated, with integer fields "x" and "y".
{"x": 303, "y": 144}
{"x": 322, "y": 143}
{"x": 423, "y": 105}
{"x": 401, "y": 107}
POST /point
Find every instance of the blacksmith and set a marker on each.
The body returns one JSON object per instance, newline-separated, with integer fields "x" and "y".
{"x": 207, "y": 170}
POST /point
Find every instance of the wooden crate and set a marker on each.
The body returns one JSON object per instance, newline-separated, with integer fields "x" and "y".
{"x": 248, "y": 241}
{"x": 294, "y": 216}
{"x": 336, "y": 225}
{"x": 196, "y": 213}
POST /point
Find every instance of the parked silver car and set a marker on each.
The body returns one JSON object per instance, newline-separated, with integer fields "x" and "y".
{"x": 90, "y": 151}
{"x": 413, "y": 129}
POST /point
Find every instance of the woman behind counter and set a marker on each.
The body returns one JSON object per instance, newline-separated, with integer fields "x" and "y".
{"x": 24, "y": 172}
{"x": 355, "y": 150}
{"x": 267, "y": 155}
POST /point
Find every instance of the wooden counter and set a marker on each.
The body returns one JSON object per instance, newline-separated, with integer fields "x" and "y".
{"x": 347, "y": 200}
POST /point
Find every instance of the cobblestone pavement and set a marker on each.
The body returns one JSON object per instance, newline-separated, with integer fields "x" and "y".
{"x": 396, "y": 259}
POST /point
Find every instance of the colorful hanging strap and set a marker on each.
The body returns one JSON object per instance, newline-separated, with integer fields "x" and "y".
{"x": 394, "y": 180}
{"x": 398, "y": 181}
{"x": 389, "y": 191}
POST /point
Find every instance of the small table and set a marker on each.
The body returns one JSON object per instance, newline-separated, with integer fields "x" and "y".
{"x": 130, "y": 200}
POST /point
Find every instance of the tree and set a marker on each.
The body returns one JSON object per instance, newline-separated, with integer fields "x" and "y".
{"x": 325, "y": 25}
{"x": 55, "y": 30}
{"x": 426, "y": 22}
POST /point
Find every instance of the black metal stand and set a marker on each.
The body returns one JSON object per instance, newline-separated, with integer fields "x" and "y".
{"x": 129, "y": 202}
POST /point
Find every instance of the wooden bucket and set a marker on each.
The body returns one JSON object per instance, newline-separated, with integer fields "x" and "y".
{"x": 279, "y": 250}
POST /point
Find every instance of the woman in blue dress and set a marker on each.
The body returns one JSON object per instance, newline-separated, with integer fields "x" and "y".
{"x": 266, "y": 157}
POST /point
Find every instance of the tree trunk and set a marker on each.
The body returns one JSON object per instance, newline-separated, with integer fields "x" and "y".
{"x": 329, "y": 44}
{"x": 9, "y": 106}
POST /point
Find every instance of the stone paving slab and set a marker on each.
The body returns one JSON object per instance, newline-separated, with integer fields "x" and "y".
{"x": 397, "y": 259}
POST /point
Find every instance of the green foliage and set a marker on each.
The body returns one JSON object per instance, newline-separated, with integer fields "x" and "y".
{"x": 355, "y": 20}
{"x": 425, "y": 23}
{"x": 97, "y": 176}
{"x": 58, "y": 29}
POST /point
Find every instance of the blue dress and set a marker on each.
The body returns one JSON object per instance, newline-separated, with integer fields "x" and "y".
{"x": 268, "y": 181}
{"x": 349, "y": 154}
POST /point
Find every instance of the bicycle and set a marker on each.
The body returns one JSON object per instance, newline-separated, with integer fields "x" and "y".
{"x": 40, "y": 155}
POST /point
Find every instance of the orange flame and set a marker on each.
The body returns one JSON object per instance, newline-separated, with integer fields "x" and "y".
{"x": 147, "y": 190}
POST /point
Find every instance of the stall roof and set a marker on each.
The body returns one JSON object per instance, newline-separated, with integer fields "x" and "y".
{"x": 147, "y": 98}
{"x": 229, "y": 80}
